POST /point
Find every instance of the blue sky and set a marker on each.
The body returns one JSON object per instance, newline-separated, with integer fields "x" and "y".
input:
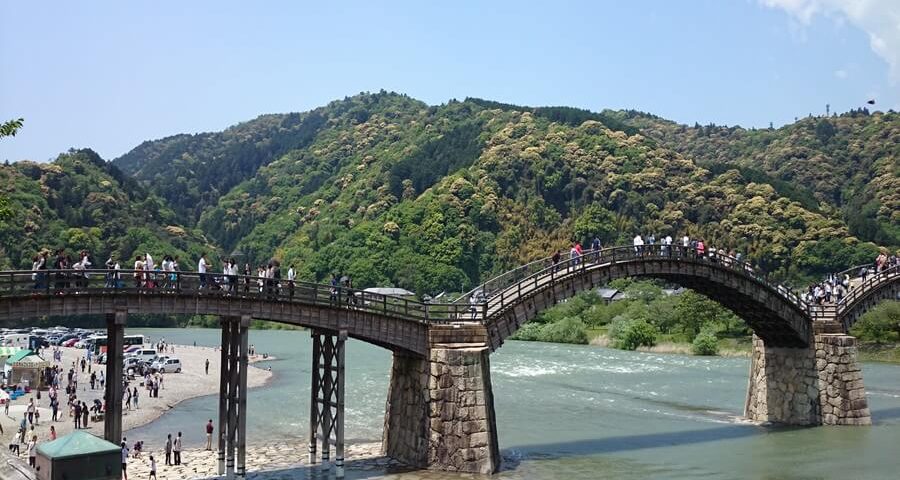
{"x": 108, "y": 75}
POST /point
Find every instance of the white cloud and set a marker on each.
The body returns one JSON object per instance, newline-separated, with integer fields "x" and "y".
{"x": 880, "y": 19}
{"x": 841, "y": 74}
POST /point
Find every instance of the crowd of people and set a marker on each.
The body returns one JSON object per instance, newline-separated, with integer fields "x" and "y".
{"x": 834, "y": 287}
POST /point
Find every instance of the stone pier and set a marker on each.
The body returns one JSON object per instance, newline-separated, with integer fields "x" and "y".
{"x": 819, "y": 385}
{"x": 440, "y": 411}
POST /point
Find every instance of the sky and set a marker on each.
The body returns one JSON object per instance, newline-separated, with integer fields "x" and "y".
{"x": 109, "y": 75}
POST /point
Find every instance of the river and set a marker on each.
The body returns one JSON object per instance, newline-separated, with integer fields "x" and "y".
{"x": 576, "y": 412}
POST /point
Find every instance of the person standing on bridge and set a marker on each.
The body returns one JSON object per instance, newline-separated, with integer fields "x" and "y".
{"x": 555, "y": 259}
{"x": 202, "y": 266}
{"x": 573, "y": 254}
{"x": 138, "y": 272}
{"x": 595, "y": 247}
{"x": 638, "y": 244}
{"x": 291, "y": 276}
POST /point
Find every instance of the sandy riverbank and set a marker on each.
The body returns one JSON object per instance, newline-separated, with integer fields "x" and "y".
{"x": 192, "y": 382}
{"x": 286, "y": 460}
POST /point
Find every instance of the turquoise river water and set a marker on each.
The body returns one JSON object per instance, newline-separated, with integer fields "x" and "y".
{"x": 576, "y": 413}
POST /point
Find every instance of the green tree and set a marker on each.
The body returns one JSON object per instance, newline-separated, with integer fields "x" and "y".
{"x": 879, "y": 325}
{"x": 595, "y": 221}
{"x": 705, "y": 343}
{"x": 11, "y": 127}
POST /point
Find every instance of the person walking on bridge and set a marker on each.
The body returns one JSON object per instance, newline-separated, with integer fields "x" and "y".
{"x": 638, "y": 244}
{"x": 202, "y": 266}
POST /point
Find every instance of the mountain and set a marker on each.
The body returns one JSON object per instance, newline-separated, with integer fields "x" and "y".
{"x": 81, "y": 202}
{"x": 392, "y": 191}
{"x": 849, "y": 161}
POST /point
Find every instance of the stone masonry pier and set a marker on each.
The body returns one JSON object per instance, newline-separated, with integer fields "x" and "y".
{"x": 820, "y": 385}
{"x": 440, "y": 409}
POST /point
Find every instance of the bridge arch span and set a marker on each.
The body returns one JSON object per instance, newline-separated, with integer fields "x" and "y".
{"x": 880, "y": 287}
{"x": 773, "y": 313}
{"x": 389, "y": 322}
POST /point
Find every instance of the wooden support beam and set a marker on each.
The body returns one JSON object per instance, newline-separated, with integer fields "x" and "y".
{"x": 243, "y": 338}
{"x": 115, "y": 335}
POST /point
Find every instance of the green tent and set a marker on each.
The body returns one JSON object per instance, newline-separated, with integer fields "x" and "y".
{"x": 18, "y": 356}
{"x": 79, "y": 456}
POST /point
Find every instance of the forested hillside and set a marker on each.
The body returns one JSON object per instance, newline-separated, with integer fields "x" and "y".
{"x": 391, "y": 191}
{"x": 849, "y": 161}
{"x": 81, "y": 202}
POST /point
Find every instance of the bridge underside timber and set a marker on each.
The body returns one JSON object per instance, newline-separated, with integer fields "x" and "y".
{"x": 385, "y": 331}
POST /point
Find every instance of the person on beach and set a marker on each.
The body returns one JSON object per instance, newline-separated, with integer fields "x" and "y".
{"x": 124, "y": 460}
{"x": 152, "y": 468}
{"x": 207, "y": 366}
{"x": 52, "y": 433}
{"x": 176, "y": 447}
{"x": 32, "y": 451}
{"x": 77, "y": 408}
{"x": 209, "y": 434}
{"x": 14, "y": 443}
{"x": 134, "y": 398}
{"x": 168, "y": 449}
{"x": 84, "y": 415}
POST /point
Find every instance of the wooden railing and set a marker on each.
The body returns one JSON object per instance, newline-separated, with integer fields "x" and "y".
{"x": 504, "y": 289}
{"x": 118, "y": 282}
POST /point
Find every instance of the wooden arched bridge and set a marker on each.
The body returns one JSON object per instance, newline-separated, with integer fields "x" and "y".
{"x": 439, "y": 412}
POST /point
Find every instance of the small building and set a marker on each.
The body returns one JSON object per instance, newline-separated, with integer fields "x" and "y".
{"x": 610, "y": 295}
{"x": 79, "y": 456}
{"x": 26, "y": 368}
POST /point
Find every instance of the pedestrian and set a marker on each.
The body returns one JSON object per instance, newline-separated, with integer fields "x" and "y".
{"x": 124, "y": 460}
{"x": 202, "y": 266}
{"x": 102, "y": 379}
{"x": 77, "y": 408}
{"x": 209, "y": 434}
{"x": 207, "y": 366}
{"x": 168, "y": 449}
{"x": 30, "y": 411}
{"x": 152, "y": 468}
{"x": 176, "y": 447}
{"x": 134, "y": 398}
{"x": 14, "y": 443}
{"x": 84, "y": 415}
{"x": 32, "y": 451}
{"x": 93, "y": 379}
{"x": 52, "y": 433}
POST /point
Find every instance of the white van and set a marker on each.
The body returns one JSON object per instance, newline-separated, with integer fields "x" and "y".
{"x": 168, "y": 365}
{"x": 16, "y": 340}
{"x": 144, "y": 354}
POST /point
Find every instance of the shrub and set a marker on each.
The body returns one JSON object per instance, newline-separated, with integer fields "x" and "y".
{"x": 705, "y": 343}
{"x": 629, "y": 334}
{"x": 568, "y": 330}
{"x": 880, "y": 325}
{"x": 530, "y": 332}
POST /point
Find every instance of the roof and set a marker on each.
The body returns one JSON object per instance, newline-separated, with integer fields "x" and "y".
{"x": 397, "y": 292}
{"x": 18, "y": 356}
{"x": 76, "y": 444}
{"x": 607, "y": 293}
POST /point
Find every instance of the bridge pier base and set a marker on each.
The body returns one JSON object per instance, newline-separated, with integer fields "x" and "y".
{"x": 440, "y": 411}
{"x": 818, "y": 385}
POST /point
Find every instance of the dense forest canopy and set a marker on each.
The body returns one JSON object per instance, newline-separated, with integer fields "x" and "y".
{"x": 392, "y": 191}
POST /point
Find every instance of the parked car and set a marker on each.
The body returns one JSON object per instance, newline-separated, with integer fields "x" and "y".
{"x": 133, "y": 348}
{"x": 70, "y": 342}
{"x": 169, "y": 365}
{"x": 144, "y": 354}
